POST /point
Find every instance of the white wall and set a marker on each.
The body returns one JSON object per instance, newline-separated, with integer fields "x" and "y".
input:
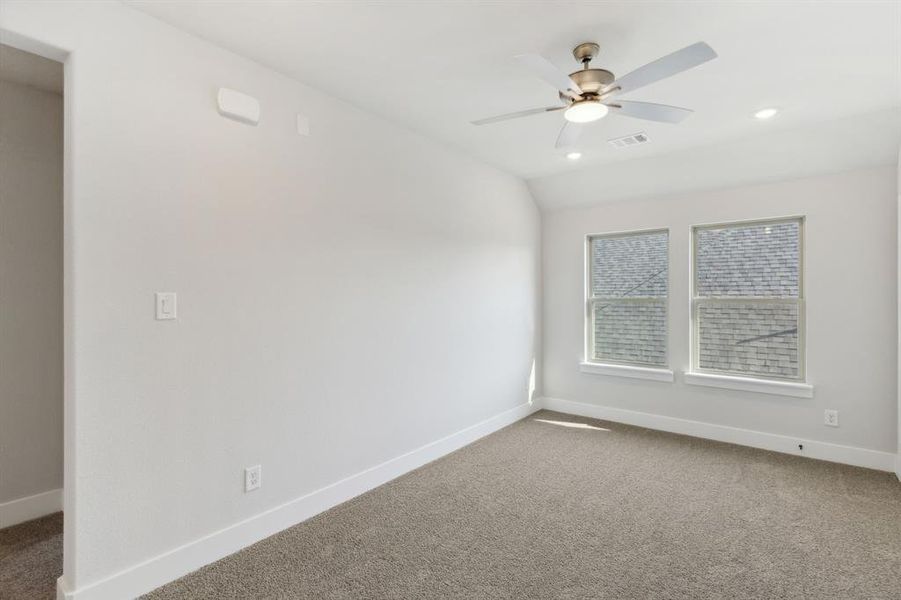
{"x": 851, "y": 289}
{"x": 343, "y": 298}
{"x": 31, "y": 294}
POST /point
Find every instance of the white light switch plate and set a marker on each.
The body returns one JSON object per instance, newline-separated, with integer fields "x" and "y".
{"x": 166, "y": 307}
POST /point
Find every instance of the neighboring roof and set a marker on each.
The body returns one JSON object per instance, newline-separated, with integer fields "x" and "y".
{"x": 749, "y": 339}
{"x": 751, "y": 261}
{"x": 630, "y": 266}
{"x": 756, "y": 261}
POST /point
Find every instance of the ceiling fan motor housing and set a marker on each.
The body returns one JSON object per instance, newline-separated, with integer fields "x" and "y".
{"x": 591, "y": 81}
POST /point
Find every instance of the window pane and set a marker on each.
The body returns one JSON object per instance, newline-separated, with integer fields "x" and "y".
{"x": 752, "y": 339}
{"x": 629, "y": 266}
{"x": 630, "y": 332}
{"x": 755, "y": 261}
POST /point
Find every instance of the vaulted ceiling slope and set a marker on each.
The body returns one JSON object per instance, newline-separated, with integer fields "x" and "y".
{"x": 435, "y": 66}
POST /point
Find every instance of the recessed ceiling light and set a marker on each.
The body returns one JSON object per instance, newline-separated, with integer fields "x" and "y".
{"x": 574, "y": 155}
{"x": 766, "y": 113}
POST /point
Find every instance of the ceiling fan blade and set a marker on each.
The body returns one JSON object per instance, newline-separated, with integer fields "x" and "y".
{"x": 516, "y": 115}
{"x": 569, "y": 135}
{"x": 546, "y": 70}
{"x": 669, "y": 65}
{"x": 650, "y": 111}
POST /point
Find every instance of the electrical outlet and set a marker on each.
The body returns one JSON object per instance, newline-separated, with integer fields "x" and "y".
{"x": 830, "y": 418}
{"x": 252, "y": 478}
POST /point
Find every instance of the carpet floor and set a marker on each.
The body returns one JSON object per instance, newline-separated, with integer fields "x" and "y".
{"x": 556, "y": 506}
{"x": 31, "y": 559}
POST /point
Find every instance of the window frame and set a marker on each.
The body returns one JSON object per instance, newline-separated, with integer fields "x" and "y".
{"x": 696, "y": 302}
{"x": 590, "y": 300}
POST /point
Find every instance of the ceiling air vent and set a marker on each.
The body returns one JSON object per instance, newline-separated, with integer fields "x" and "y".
{"x": 630, "y": 140}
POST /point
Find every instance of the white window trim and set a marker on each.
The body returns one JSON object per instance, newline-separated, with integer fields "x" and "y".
{"x": 635, "y": 370}
{"x": 731, "y": 380}
{"x": 750, "y": 384}
{"x": 632, "y": 372}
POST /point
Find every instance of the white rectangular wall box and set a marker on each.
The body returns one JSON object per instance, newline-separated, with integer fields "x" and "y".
{"x": 238, "y": 106}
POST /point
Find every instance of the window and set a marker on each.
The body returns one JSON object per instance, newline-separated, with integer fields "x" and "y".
{"x": 748, "y": 301}
{"x": 627, "y": 297}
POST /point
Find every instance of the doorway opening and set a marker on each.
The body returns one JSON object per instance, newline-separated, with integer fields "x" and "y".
{"x": 31, "y": 323}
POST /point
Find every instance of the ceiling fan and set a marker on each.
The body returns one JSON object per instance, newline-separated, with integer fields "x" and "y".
{"x": 586, "y": 94}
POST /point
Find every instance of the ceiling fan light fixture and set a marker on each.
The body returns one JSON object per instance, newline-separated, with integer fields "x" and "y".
{"x": 585, "y": 111}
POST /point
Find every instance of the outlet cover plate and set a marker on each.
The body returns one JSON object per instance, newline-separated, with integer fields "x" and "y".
{"x": 252, "y": 478}
{"x": 830, "y": 418}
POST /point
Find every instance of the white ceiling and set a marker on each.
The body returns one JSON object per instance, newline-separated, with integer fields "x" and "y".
{"x": 30, "y": 69}
{"x": 855, "y": 142}
{"x": 435, "y": 66}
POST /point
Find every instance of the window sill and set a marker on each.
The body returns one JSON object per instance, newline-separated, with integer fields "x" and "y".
{"x": 750, "y": 384}
{"x": 626, "y": 371}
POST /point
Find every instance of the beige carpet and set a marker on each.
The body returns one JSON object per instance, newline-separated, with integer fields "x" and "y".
{"x": 31, "y": 559}
{"x": 565, "y": 507}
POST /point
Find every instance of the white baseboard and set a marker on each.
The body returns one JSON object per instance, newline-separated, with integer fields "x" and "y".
{"x": 146, "y": 576}
{"x": 898, "y": 465}
{"x": 30, "y": 507}
{"x": 849, "y": 455}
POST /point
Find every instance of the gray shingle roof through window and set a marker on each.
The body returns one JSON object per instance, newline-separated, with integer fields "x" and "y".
{"x": 752, "y": 261}
{"x": 739, "y": 339}
{"x": 755, "y": 261}
{"x": 631, "y": 266}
